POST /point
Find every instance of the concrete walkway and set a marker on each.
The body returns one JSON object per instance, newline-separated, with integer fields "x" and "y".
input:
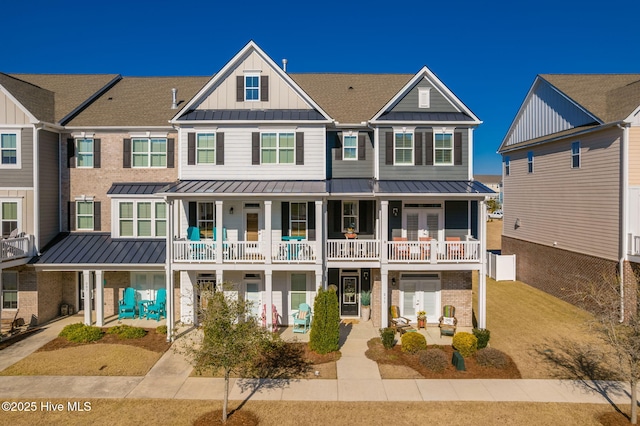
{"x": 358, "y": 380}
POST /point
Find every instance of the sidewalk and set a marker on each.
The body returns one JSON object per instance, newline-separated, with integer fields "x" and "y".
{"x": 358, "y": 380}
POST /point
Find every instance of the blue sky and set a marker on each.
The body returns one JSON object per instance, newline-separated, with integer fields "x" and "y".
{"x": 487, "y": 53}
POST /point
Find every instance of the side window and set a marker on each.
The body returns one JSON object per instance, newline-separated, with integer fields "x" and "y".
{"x": 85, "y": 152}
{"x": 9, "y": 150}
{"x": 530, "y": 161}
{"x": 9, "y": 290}
{"x": 84, "y": 215}
{"x": 9, "y": 218}
{"x": 403, "y": 149}
{"x": 507, "y": 165}
{"x": 575, "y": 155}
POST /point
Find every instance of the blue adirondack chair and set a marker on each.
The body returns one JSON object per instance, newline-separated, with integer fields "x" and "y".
{"x": 302, "y": 319}
{"x": 158, "y": 308}
{"x": 127, "y": 305}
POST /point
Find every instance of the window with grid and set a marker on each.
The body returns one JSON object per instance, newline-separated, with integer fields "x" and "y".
{"x": 277, "y": 148}
{"x": 206, "y": 148}
{"x": 206, "y": 219}
{"x": 9, "y": 290}
{"x": 85, "y": 152}
{"x": 149, "y": 152}
{"x": 8, "y": 149}
{"x": 142, "y": 219}
{"x": 575, "y": 155}
{"x": 403, "y": 150}
{"x": 350, "y": 215}
{"x": 443, "y": 146}
{"x": 350, "y": 147}
{"x": 530, "y": 161}
{"x": 9, "y": 217}
{"x": 84, "y": 215}
{"x": 298, "y": 219}
{"x": 507, "y": 165}
{"x": 298, "y": 291}
{"x": 252, "y": 88}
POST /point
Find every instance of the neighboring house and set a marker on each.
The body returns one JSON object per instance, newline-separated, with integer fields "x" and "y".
{"x": 571, "y": 176}
{"x": 279, "y": 183}
{"x": 494, "y": 183}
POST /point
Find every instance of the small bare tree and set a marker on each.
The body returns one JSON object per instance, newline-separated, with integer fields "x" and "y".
{"x": 603, "y": 300}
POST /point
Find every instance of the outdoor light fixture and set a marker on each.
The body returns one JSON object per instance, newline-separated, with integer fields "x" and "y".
{"x": 365, "y": 275}
{"x": 517, "y": 224}
{"x": 394, "y": 211}
{"x": 393, "y": 282}
{"x": 231, "y": 210}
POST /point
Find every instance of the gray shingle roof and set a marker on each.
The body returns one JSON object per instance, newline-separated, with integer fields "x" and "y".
{"x": 38, "y": 101}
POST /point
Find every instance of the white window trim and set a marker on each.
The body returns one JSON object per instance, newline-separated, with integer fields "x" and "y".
{"x": 115, "y": 220}
{"x": 444, "y": 131}
{"x": 252, "y": 74}
{"x": 77, "y": 140}
{"x": 277, "y": 147}
{"x": 291, "y": 291}
{"x": 530, "y": 162}
{"x": 424, "y": 97}
{"x": 12, "y": 200}
{"x": 17, "y": 290}
{"x": 215, "y": 141}
{"x": 149, "y": 152}
{"x": 507, "y": 165}
{"x": 18, "y": 134}
{"x": 413, "y": 146}
{"x": 199, "y": 221}
{"x": 344, "y": 146}
{"x": 356, "y": 227}
{"x": 93, "y": 219}
{"x": 579, "y": 154}
{"x": 306, "y": 219}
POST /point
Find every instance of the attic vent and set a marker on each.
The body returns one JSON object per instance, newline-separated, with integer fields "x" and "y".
{"x": 174, "y": 98}
{"x": 284, "y": 65}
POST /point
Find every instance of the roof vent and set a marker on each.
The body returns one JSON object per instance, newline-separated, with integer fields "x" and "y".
{"x": 174, "y": 98}
{"x": 284, "y": 64}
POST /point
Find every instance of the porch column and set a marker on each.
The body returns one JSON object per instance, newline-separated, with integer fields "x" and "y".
{"x": 268, "y": 299}
{"x": 482, "y": 273}
{"x": 268, "y": 239}
{"x": 188, "y": 297}
{"x": 384, "y": 232}
{"x": 86, "y": 285}
{"x": 318, "y": 283}
{"x": 168, "y": 270}
{"x": 219, "y": 280}
{"x": 319, "y": 234}
{"x": 384, "y": 298}
{"x": 99, "y": 298}
{"x": 1, "y": 292}
{"x": 219, "y": 230}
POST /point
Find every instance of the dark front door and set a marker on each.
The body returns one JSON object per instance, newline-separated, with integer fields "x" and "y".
{"x": 349, "y": 296}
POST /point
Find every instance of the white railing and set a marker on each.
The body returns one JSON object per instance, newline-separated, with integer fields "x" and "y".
{"x": 194, "y": 251}
{"x": 243, "y": 251}
{"x": 14, "y": 248}
{"x": 353, "y": 250}
{"x": 433, "y": 251}
{"x": 294, "y": 252}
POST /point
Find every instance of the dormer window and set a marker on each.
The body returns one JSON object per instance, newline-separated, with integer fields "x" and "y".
{"x": 251, "y": 87}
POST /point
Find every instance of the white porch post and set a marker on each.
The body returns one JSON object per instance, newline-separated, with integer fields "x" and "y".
{"x": 99, "y": 298}
{"x": 268, "y": 238}
{"x": 482, "y": 273}
{"x": 1, "y": 294}
{"x": 86, "y": 285}
{"x": 219, "y": 280}
{"x": 319, "y": 234}
{"x": 384, "y": 297}
{"x": 188, "y": 297}
{"x": 384, "y": 230}
{"x": 219, "y": 230}
{"x": 268, "y": 299}
{"x": 169, "y": 271}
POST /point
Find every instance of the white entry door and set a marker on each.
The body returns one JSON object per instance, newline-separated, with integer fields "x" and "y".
{"x": 420, "y": 293}
{"x": 252, "y": 295}
{"x": 423, "y": 223}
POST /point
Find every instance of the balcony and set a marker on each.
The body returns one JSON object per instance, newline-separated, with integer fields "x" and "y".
{"x": 433, "y": 251}
{"x": 244, "y": 252}
{"x": 338, "y": 250}
{"x": 14, "y": 248}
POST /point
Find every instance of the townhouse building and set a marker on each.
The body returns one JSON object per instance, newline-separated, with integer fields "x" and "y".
{"x": 273, "y": 182}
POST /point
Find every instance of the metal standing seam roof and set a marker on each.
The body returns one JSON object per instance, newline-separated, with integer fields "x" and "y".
{"x": 424, "y": 116}
{"x": 136, "y": 188}
{"x": 252, "y": 115}
{"x": 409, "y": 187}
{"x": 101, "y": 249}
{"x": 350, "y": 186}
{"x": 246, "y": 187}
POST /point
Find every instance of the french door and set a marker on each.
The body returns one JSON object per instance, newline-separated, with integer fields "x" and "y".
{"x": 420, "y": 293}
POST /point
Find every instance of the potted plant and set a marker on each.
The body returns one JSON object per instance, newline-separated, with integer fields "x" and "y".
{"x": 422, "y": 319}
{"x": 365, "y": 302}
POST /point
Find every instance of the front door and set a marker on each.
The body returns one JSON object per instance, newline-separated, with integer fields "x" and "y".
{"x": 423, "y": 223}
{"x": 252, "y": 227}
{"x": 349, "y": 296}
{"x": 252, "y": 297}
{"x": 420, "y": 294}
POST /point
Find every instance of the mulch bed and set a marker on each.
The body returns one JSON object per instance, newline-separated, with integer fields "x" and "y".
{"x": 315, "y": 358}
{"x": 152, "y": 341}
{"x": 395, "y": 356}
{"x": 234, "y": 418}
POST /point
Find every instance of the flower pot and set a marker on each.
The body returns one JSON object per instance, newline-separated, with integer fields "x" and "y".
{"x": 422, "y": 323}
{"x": 365, "y": 313}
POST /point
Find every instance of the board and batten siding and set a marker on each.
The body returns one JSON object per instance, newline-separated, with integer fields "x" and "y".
{"x": 48, "y": 188}
{"x": 634, "y": 156}
{"x": 28, "y": 207}
{"x": 22, "y": 177}
{"x": 438, "y": 103}
{"x": 281, "y": 95}
{"x": 238, "y": 156}
{"x": 10, "y": 113}
{"x": 578, "y": 209}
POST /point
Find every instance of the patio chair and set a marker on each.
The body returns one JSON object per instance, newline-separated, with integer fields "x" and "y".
{"x": 455, "y": 250}
{"x": 158, "y": 308}
{"x": 127, "y": 305}
{"x": 396, "y": 321}
{"x": 448, "y": 321}
{"x": 401, "y": 248}
{"x": 425, "y": 247}
{"x": 302, "y": 319}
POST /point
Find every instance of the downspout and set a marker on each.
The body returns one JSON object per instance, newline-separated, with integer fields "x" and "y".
{"x": 624, "y": 148}
{"x": 36, "y": 188}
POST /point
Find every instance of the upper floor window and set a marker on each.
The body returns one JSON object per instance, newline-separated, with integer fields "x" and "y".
{"x": 206, "y": 219}
{"x": 149, "y": 152}
{"x": 142, "y": 219}
{"x": 350, "y": 147}
{"x": 350, "y": 216}
{"x": 403, "y": 149}
{"x": 84, "y": 215}
{"x": 9, "y": 217}
{"x": 9, "y": 290}
{"x": 9, "y": 150}
{"x": 530, "y": 161}
{"x": 424, "y": 97}
{"x": 277, "y": 148}
{"x": 251, "y": 87}
{"x": 507, "y": 165}
{"x": 575, "y": 155}
{"x": 85, "y": 152}
{"x": 443, "y": 147}
{"x": 206, "y": 148}
{"x": 298, "y": 219}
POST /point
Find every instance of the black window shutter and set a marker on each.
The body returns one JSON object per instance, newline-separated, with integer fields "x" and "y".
{"x": 240, "y": 88}
{"x": 389, "y": 148}
{"x": 126, "y": 153}
{"x": 364, "y": 216}
{"x": 457, "y": 149}
{"x": 193, "y": 213}
{"x": 255, "y": 148}
{"x": 264, "y": 88}
{"x": 311, "y": 220}
{"x": 428, "y": 147}
{"x": 285, "y": 218}
{"x": 362, "y": 145}
{"x": 71, "y": 152}
{"x": 72, "y": 215}
{"x": 299, "y": 148}
{"x": 191, "y": 149}
{"x": 339, "y": 146}
{"x": 96, "y": 153}
{"x": 337, "y": 216}
{"x": 171, "y": 153}
{"x": 418, "y": 149}
{"x": 97, "y": 215}
{"x": 220, "y": 148}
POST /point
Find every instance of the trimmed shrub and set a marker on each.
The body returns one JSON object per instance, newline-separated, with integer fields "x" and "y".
{"x": 434, "y": 359}
{"x": 490, "y": 357}
{"x": 465, "y": 343}
{"x": 325, "y": 324}
{"x": 127, "y": 332}
{"x": 388, "y": 337}
{"x": 80, "y": 333}
{"x": 413, "y": 342}
{"x": 483, "y": 335}
{"x": 161, "y": 329}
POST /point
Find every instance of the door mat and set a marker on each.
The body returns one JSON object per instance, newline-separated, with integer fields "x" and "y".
{"x": 350, "y": 321}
